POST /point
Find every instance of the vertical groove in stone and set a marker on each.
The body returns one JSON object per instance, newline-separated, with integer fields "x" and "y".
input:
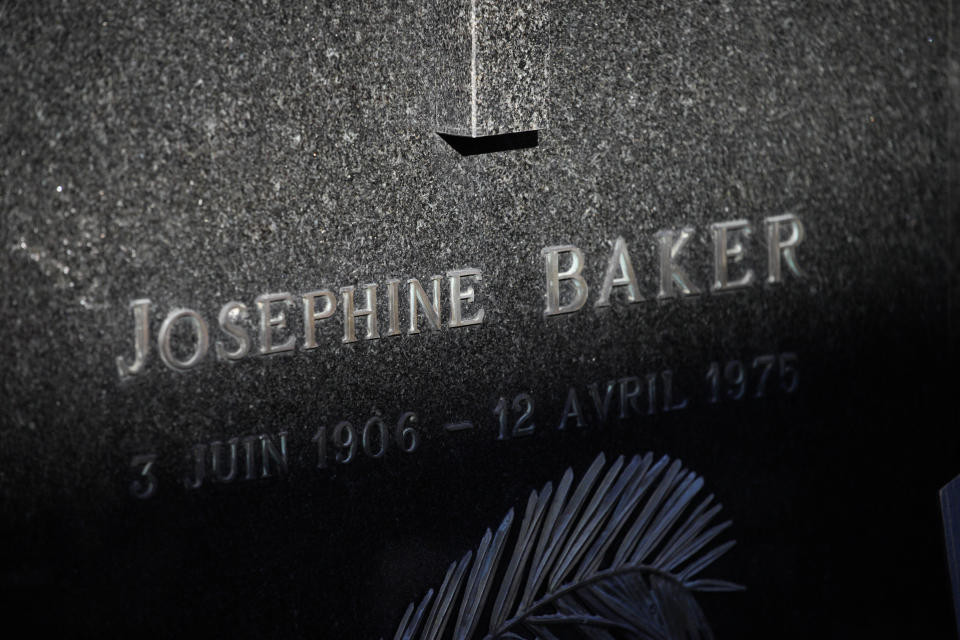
{"x": 497, "y": 83}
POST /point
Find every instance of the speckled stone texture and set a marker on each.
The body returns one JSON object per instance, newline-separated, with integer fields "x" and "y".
{"x": 195, "y": 153}
{"x": 491, "y": 66}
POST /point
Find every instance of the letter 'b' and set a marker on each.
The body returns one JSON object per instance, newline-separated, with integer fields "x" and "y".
{"x": 554, "y": 276}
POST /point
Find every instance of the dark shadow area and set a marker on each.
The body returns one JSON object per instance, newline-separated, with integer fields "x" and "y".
{"x": 469, "y": 146}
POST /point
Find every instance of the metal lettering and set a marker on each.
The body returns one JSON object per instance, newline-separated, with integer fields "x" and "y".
{"x": 268, "y": 452}
{"x": 551, "y": 257}
{"x": 311, "y": 315}
{"x": 673, "y": 277}
{"x": 668, "y": 403}
{"x": 785, "y": 249}
{"x": 602, "y": 406}
{"x": 651, "y": 393}
{"x": 199, "y": 468}
{"x": 145, "y": 485}
{"x": 351, "y": 313}
{"x": 393, "y": 307}
{"x": 723, "y": 251}
{"x": 375, "y": 423}
{"x": 229, "y": 321}
{"x": 431, "y": 310}
{"x": 571, "y": 409}
{"x": 199, "y": 328}
{"x": 619, "y": 261}
{"x": 267, "y": 322}
{"x": 217, "y": 463}
{"x": 630, "y": 389}
{"x": 141, "y": 339}
{"x": 459, "y": 295}
{"x": 249, "y": 456}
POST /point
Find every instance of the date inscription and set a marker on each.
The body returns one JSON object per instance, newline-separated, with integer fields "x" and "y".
{"x": 344, "y": 442}
{"x": 261, "y": 457}
{"x": 659, "y": 392}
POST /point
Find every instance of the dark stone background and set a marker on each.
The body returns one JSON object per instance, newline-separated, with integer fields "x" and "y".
{"x": 196, "y": 153}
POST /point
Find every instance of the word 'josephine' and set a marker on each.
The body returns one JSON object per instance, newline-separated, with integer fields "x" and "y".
{"x": 272, "y": 310}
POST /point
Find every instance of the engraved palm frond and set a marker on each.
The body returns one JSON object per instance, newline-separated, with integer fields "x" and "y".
{"x": 616, "y": 556}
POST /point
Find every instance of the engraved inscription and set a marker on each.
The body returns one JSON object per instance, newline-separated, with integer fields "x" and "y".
{"x": 344, "y": 442}
{"x": 144, "y": 484}
{"x": 635, "y": 396}
{"x": 255, "y": 457}
{"x": 567, "y": 289}
{"x": 276, "y": 327}
{"x": 521, "y": 425}
{"x": 260, "y": 457}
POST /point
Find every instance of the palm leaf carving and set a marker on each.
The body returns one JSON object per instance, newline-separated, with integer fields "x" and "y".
{"x": 618, "y": 555}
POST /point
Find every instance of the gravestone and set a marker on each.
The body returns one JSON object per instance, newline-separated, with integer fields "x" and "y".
{"x": 463, "y": 318}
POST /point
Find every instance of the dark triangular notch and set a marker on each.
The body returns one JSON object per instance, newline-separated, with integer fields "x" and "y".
{"x": 469, "y": 146}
